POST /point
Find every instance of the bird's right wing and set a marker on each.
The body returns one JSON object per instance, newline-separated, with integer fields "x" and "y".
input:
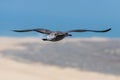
{"x": 40, "y": 30}
{"x": 83, "y": 30}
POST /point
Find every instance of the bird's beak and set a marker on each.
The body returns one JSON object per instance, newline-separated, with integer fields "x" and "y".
{"x": 69, "y": 34}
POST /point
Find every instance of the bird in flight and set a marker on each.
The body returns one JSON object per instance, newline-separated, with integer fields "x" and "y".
{"x": 58, "y": 35}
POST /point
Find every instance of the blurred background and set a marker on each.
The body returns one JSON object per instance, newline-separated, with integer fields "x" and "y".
{"x": 85, "y": 56}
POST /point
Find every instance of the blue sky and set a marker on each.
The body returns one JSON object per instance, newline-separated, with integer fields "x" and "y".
{"x": 60, "y": 15}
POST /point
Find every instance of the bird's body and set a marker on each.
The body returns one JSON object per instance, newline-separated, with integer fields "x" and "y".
{"x": 58, "y": 35}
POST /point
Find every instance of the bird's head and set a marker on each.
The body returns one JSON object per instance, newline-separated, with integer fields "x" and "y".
{"x": 67, "y": 34}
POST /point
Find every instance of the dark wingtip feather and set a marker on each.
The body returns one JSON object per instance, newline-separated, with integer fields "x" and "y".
{"x": 16, "y": 30}
{"x": 108, "y": 30}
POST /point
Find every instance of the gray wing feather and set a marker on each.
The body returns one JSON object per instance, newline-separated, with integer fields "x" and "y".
{"x": 40, "y": 30}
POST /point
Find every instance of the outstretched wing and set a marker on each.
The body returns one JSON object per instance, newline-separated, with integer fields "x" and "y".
{"x": 83, "y": 30}
{"x": 40, "y": 30}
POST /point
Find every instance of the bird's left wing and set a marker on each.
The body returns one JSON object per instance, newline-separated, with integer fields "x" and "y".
{"x": 40, "y": 30}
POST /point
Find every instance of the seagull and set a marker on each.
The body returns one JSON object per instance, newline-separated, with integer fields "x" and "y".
{"x": 59, "y": 35}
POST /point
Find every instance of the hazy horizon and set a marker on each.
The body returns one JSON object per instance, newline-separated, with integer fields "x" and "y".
{"x": 72, "y": 51}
